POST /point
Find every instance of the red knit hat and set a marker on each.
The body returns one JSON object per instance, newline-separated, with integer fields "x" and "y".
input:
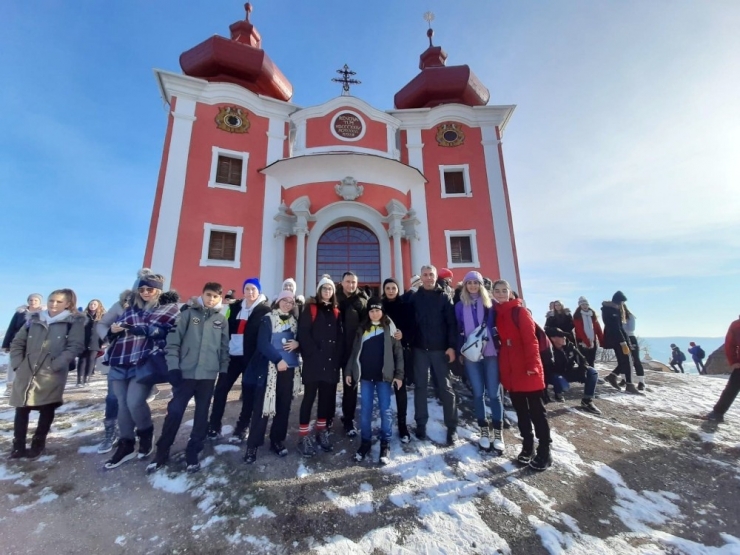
{"x": 444, "y": 273}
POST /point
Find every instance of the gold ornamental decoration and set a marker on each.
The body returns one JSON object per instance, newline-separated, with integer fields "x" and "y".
{"x": 450, "y": 134}
{"x": 232, "y": 119}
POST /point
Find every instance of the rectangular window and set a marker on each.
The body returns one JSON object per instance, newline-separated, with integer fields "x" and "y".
{"x": 222, "y": 246}
{"x": 229, "y": 171}
{"x": 454, "y": 182}
{"x": 461, "y": 251}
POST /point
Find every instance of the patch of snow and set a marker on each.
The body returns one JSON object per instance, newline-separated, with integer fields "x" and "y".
{"x": 45, "y": 496}
{"x": 302, "y": 471}
{"x": 120, "y": 540}
{"x": 225, "y": 448}
{"x": 170, "y": 484}
{"x": 6, "y": 474}
{"x": 355, "y": 504}
{"x": 86, "y": 449}
{"x": 262, "y": 511}
{"x": 25, "y": 482}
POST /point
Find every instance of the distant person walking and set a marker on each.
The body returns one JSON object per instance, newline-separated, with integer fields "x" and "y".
{"x": 697, "y": 355}
{"x": 93, "y": 342}
{"x": 588, "y": 330}
{"x": 677, "y": 358}
{"x": 614, "y": 315}
{"x": 732, "y": 352}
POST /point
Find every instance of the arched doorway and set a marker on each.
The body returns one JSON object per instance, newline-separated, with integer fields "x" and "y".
{"x": 349, "y": 246}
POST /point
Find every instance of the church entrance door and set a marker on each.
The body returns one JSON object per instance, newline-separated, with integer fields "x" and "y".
{"x": 350, "y": 246}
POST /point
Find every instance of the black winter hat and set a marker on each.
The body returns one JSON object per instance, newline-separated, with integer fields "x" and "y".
{"x": 619, "y": 297}
{"x": 374, "y": 302}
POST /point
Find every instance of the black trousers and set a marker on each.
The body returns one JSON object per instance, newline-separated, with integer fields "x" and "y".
{"x": 283, "y": 399}
{"x": 202, "y": 390}
{"x": 86, "y": 365}
{"x": 22, "y": 414}
{"x": 635, "y": 351}
{"x": 624, "y": 364}
{"x": 326, "y": 393}
{"x": 589, "y": 354}
{"x": 402, "y": 405}
{"x": 530, "y": 411}
{"x": 224, "y": 383}
{"x": 728, "y": 395}
{"x": 349, "y": 404}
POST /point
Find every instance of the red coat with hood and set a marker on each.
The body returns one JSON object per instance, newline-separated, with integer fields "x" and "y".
{"x": 520, "y": 365}
{"x": 581, "y": 336}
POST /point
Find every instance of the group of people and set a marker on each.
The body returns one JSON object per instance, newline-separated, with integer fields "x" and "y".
{"x": 678, "y": 357}
{"x": 376, "y": 346}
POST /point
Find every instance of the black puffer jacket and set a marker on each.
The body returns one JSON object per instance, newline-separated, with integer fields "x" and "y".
{"x": 434, "y": 318}
{"x": 402, "y": 314}
{"x": 570, "y": 363}
{"x": 353, "y": 310}
{"x": 562, "y": 320}
{"x": 20, "y": 317}
{"x": 322, "y": 344}
{"x": 613, "y": 332}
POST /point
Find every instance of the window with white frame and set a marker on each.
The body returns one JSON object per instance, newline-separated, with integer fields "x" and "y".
{"x": 462, "y": 249}
{"x": 222, "y": 245}
{"x": 455, "y": 181}
{"x": 229, "y": 169}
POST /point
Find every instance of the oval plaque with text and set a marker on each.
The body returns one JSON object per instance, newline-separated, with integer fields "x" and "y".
{"x": 348, "y": 126}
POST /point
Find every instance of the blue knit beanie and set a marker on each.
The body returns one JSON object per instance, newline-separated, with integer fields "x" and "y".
{"x": 253, "y": 281}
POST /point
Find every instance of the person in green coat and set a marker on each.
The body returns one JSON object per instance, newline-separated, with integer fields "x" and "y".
{"x": 41, "y": 354}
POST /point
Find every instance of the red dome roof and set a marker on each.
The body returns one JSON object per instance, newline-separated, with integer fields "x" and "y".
{"x": 239, "y": 60}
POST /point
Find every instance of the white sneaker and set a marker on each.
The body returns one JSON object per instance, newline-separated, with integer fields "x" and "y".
{"x": 498, "y": 441}
{"x": 484, "y": 442}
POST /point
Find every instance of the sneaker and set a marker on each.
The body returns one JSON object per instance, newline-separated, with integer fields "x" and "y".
{"x": 451, "y": 436}
{"x": 322, "y": 438}
{"x": 385, "y": 453}
{"x": 193, "y": 468}
{"x": 611, "y": 379}
{"x": 214, "y": 435}
{"x": 363, "y": 451}
{"x": 306, "y": 447}
{"x": 484, "y": 442}
{"x": 403, "y": 433}
{"x": 146, "y": 442}
{"x": 279, "y": 448}
{"x": 632, "y": 389}
{"x": 559, "y": 397}
{"x": 238, "y": 437}
{"x": 251, "y": 455}
{"x": 110, "y": 439}
{"x": 641, "y": 386}
{"x": 498, "y": 440}
{"x": 421, "y": 433}
{"x": 715, "y": 416}
{"x": 153, "y": 467}
{"x": 19, "y": 450}
{"x": 588, "y": 406}
{"x": 524, "y": 456}
{"x": 541, "y": 461}
{"x": 124, "y": 452}
{"x": 350, "y": 430}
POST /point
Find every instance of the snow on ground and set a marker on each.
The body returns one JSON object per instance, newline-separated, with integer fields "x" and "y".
{"x": 450, "y": 491}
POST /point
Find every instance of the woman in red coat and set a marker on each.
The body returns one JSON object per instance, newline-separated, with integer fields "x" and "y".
{"x": 522, "y": 374}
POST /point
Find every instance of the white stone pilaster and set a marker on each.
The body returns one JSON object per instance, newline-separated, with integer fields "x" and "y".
{"x": 270, "y": 276}
{"x": 420, "y": 250}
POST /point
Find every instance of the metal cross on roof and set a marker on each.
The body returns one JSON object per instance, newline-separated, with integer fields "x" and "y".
{"x": 346, "y": 81}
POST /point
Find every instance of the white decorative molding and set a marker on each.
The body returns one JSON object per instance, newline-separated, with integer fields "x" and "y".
{"x": 348, "y": 189}
{"x": 333, "y": 149}
{"x": 465, "y": 169}
{"x": 410, "y": 223}
{"x": 472, "y": 116}
{"x": 207, "y": 229}
{"x": 244, "y": 156}
{"x": 286, "y": 222}
{"x": 185, "y": 117}
{"x": 349, "y": 102}
{"x": 472, "y": 235}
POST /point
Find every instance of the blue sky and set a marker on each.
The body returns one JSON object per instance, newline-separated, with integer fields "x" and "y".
{"x": 621, "y": 156}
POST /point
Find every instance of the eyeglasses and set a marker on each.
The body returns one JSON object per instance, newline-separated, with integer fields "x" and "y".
{"x": 147, "y": 289}
{"x": 287, "y": 301}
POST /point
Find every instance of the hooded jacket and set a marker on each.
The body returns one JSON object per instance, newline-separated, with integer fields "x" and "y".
{"x": 614, "y": 333}
{"x": 260, "y": 308}
{"x": 322, "y": 342}
{"x": 41, "y": 354}
{"x": 520, "y": 365}
{"x": 392, "y": 356}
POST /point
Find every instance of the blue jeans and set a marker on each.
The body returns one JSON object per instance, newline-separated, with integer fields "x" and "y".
{"x": 483, "y": 376}
{"x": 111, "y": 404}
{"x": 367, "y": 392}
{"x": 592, "y": 376}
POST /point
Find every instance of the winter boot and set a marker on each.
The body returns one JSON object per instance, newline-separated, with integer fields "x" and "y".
{"x": 160, "y": 460}
{"x": 622, "y": 382}
{"x": 279, "y": 448}
{"x": 451, "y": 436}
{"x": 641, "y": 386}
{"x": 146, "y": 442}
{"x": 588, "y": 406}
{"x": 484, "y": 442}
{"x": 715, "y": 416}
{"x": 542, "y": 460}
{"x": 363, "y": 451}
{"x": 239, "y": 436}
{"x": 559, "y": 397}
{"x": 19, "y": 449}
{"x": 349, "y": 428}
{"x": 611, "y": 379}
{"x": 214, "y": 434}
{"x": 38, "y": 444}
{"x": 251, "y": 455}
{"x": 385, "y": 453}
{"x": 498, "y": 440}
{"x": 193, "y": 468}
{"x": 403, "y": 432}
{"x": 525, "y": 455}
{"x": 421, "y": 432}
{"x": 306, "y": 447}
{"x": 632, "y": 389}
{"x": 110, "y": 438}
{"x": 322, "y": 438}
{"x": 124, "y": 452}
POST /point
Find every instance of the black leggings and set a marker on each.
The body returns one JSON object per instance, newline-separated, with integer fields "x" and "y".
{"x": 22, "y": 414}
{"x": 327, "y": 395}
{"x": 530, "y": 411}
{"x": 402, "y": 405}
{"x": 86, "y": 365}
{"x": 624, "y": 364}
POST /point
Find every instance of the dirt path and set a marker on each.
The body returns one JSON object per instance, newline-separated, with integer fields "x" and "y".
{"x": 646, "y": 477}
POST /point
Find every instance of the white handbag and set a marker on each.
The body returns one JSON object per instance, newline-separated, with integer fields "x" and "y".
{"x": 473, "y": 347}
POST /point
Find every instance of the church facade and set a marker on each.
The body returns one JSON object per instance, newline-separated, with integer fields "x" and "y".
{"x": 254, "y": 185}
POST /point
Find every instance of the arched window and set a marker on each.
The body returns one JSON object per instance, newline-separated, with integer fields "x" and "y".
{"x": 349, "y": 247}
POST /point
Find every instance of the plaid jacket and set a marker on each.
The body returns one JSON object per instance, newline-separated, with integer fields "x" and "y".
{"x": 146, "y": 331}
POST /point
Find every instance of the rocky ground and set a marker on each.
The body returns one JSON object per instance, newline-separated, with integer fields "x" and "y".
{"x": 648, "y": 476}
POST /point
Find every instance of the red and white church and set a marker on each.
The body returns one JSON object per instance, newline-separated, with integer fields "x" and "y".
{"x": 253, "y": 185}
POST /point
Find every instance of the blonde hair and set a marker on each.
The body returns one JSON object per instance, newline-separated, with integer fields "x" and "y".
{"x": 139, "y": 302}
{"x": 98, "y": 312}
{"x": 467, "y": 300}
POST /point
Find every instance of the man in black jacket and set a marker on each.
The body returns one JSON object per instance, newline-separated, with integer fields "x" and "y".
{"x": 434, "y": 343}
{"x": 353, "y": 310}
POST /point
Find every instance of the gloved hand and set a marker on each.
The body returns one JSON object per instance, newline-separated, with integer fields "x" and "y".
{"x": 175, "y": 377}
{"x": 137, "y": 330}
